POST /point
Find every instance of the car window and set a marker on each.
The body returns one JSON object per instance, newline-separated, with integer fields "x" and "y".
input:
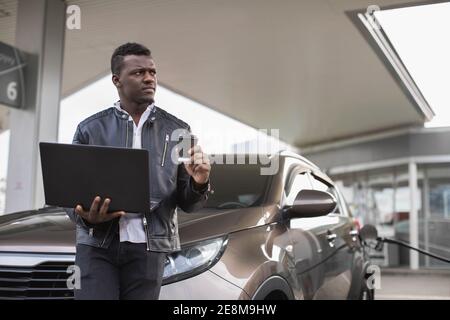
{"x": 298, "y": 182}
{"x": 344, "y": 209}
{"x": 319, "y": 184}
{"x": 236, "y": 186}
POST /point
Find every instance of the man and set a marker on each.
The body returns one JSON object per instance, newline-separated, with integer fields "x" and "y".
{"x": 122, "y": 255}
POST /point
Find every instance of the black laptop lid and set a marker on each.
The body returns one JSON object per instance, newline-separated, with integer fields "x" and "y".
{"x": 74, "y": 174}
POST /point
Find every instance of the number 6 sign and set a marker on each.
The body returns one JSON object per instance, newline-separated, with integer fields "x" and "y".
{"x": 11, "y": 76}
{"x": 11, "y": 91}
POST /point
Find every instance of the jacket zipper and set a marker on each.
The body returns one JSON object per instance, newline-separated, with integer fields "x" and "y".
{"x": 144, "y": 221}
{"x": 165, "y": 150}
{"x": 126, "y": 143}
{"x": 126, "y": 146}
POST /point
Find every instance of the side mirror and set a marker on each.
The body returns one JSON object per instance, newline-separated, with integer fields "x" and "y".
{"x": 312, "y": 203}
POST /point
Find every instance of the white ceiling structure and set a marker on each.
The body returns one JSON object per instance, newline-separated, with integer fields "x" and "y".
{"x": 306, "y": 67}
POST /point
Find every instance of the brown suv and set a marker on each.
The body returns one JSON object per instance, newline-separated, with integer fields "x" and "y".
{"x": 286, "y": 235}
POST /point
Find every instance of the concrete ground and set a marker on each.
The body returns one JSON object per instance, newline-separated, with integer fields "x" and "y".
{"x": 405, "y": 284}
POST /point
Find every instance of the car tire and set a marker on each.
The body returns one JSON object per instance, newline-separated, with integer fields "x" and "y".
{"x": 366, "y": 293}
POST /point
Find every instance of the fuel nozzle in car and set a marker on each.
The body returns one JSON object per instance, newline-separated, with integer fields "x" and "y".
{"x": 369, "y": 237}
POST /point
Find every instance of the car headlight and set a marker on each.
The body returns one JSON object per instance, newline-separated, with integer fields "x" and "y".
{"x": 193, "y": 259}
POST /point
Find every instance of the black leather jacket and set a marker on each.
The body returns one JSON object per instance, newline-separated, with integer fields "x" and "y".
{"x": 170, "y": 184}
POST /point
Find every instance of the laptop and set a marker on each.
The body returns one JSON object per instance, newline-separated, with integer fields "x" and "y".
{"x": 74, "y": 174}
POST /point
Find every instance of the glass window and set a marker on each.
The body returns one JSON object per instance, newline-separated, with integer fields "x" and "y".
{"x": 382, "y": 197}
{"x": 351, "y": 188}
{"x": 300, "y": 182}
{"x": 439, "y": 192}
{"x": 289, "y": 165}
{"x": 434, "y": 220}
{"x": 236, "y": 186}
{"x": 344, "y": 207}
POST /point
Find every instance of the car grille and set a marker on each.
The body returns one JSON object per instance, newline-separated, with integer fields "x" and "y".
{"x": 46, "y": 281}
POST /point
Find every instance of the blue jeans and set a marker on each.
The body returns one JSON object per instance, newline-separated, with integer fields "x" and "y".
{"x": 123, "y": 271}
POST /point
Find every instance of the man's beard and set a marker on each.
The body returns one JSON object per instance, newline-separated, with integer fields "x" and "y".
{"x": 145, "y": 100}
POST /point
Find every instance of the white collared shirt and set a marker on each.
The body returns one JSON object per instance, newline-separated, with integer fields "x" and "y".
{"x": 130, "y": 226}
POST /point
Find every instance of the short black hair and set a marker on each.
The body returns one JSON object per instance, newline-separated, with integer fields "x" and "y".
{"x": 129, "y": 48}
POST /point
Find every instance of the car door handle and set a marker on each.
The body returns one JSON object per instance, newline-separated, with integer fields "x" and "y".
{"x": 331, "y": 237}
{"x": 354, "y": 234}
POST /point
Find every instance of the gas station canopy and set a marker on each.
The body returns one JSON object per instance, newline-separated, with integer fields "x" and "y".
{"x": 306, "y": 67}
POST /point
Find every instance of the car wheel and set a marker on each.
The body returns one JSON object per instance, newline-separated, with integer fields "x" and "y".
{"x": 276, "y": 295}
{"x": 366, "y": 293}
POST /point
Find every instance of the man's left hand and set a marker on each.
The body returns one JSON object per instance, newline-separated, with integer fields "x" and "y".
{"x": 199, "y": 167}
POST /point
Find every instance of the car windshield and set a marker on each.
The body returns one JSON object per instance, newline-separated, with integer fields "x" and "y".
{"x": 236, "y": 186}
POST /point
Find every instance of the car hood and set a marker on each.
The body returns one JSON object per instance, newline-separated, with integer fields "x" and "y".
{"x": 37, "y": 231}
{"x": 209, "y": 223}
{"x": 51, "y": 231}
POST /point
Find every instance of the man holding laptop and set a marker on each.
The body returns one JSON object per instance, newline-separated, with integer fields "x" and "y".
{"x": 121, "y": 255}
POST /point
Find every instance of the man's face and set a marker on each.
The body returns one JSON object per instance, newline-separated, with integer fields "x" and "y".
{"x": 137, "y": 79}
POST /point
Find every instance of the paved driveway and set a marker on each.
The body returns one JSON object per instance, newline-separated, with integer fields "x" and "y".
{"x": 404, "y": 284}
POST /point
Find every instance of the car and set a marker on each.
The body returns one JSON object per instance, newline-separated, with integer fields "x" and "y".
{"x": 287, "y": 235}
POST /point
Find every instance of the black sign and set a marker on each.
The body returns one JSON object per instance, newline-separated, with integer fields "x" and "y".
{"x": 12, "y": 66}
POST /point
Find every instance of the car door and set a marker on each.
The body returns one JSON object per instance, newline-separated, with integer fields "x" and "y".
{"x": 341, "y": 240}
{"x": 307, "y": 236}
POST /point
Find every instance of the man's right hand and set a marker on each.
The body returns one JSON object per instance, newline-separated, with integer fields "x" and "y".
{"x": 94, "y": 215}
